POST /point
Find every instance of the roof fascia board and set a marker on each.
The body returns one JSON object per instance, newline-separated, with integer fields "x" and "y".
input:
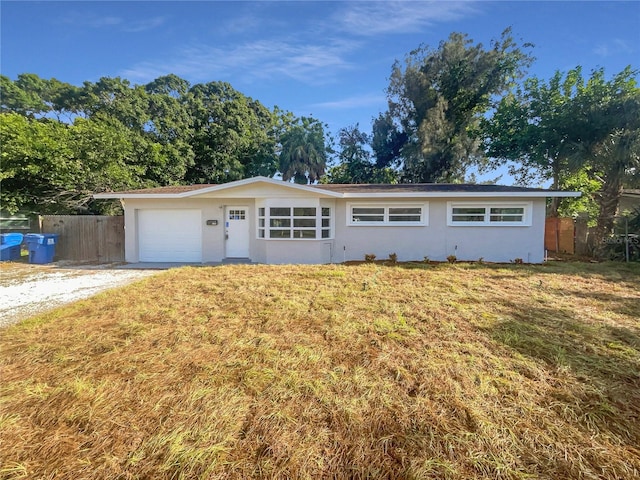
{"x": 462, "y": 194}
{"x": 136, "y": 195}
{"x": 334, "y": 194}
{"x": 249, "y": 181}
{"x": 224, "y": 186}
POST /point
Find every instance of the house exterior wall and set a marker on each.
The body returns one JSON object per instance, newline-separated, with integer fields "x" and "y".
{"x": 213, "y": 237}
{"x": 435, "y": 240}
{"x": 294, "y": 251}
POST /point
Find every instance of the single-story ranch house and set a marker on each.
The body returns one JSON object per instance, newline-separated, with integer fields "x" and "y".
{"x": 270, "y": 221}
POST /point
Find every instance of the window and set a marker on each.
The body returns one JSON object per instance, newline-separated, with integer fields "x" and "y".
{"x": 367, "y": 214}
{"x": 326, "y": 222}
{"x": 396, "y": 215}
{"x": 492, "y": 214}
{"x": 506, "y": 214}
{"x": 405, "y": 214}
{"x": 468, "y": 214}
{"x": 294, "y": 223}
{"x": 261, "y": 222}
{"x": 237, "y": 214}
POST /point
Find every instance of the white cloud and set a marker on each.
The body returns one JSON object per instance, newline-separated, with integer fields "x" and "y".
{"x": 110, "y": 21}
{"x": 356, "y": 101}
{"x": 251, "y": 61}
{"x": 90, "y": 20}
{"x": 374, "y": 18}
{"x": 144, "y": 25}
{"x": 614, "y": 47}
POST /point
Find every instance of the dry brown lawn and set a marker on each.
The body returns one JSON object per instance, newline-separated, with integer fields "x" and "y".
{"x": 410, "y": 371}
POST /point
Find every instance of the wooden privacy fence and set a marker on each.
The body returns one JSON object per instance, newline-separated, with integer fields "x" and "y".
{"x": 86, "y": 238}
{"x": 559, "y": 235}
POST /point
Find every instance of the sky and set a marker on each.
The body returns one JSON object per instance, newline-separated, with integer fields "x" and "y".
{"x": 329, "y": 59}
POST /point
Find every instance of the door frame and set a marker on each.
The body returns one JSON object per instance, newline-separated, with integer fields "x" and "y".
{"x": 247, "y": 233}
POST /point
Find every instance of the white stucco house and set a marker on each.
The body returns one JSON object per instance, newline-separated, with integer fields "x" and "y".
{"x": 270, "y": 221}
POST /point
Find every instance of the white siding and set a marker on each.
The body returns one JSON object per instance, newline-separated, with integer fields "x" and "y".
{"x": 437, "y": 240}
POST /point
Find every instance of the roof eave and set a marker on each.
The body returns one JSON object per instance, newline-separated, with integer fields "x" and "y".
{"x": 462, "y": 194}
{"x": 116, "y": 195}
{"x": 249, "y": 181}
{"x": 221, "y": 187}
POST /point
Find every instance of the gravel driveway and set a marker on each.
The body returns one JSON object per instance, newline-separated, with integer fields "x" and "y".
{"x": 26, "y": 290}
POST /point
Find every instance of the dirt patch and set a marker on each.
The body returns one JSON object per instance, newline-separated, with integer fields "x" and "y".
{"x": 26, "y": 290}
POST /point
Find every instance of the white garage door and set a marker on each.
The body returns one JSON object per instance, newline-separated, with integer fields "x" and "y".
{"x": 170, "y": 235}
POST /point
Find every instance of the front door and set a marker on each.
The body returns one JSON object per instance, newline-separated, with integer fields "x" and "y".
{"x": 237, "y": 231}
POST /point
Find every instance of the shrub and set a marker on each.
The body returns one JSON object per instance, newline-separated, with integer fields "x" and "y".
{"x": 518, "y": 261}
{"x": 393, "y": 257}
{"x": 452, "y": 259}
{"x": 369, "y": 257}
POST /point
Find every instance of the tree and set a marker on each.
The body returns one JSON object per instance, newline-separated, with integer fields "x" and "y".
{"x": 436, "y": 100}
{"x": 580, "y": 134}
{"x": 33, "y": 96}
{"x": 169, "y": 124}
{"x": 53, "y": 167}
{"x": 536, "y": 128}
{"x": 63, "y": 143}
{"x": 355, "y": 163}
{"x": 233, "y": 135}
{"x": 304, "y": 151}
{"x": 608, "y": 113}
{"x": 35, "y": 162}
{"x": 387, "y": 141}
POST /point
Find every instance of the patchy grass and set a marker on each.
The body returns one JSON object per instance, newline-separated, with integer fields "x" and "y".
{"x": 16, "y": 272}
{"x": 417, "y": 371}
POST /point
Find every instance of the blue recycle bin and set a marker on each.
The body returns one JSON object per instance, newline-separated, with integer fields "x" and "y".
{"x": 42, "y": 246}
{"x": 10, "y": 246}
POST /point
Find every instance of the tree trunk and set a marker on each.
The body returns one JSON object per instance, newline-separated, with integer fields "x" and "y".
{"x": 609, "y": 200}
{"x": 555, "y": 201}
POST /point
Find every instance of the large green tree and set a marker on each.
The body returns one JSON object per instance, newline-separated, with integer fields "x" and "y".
{"x": 355, "y": 164}
{"x": 33, "y": 96}
{"x": 608, "y": 112}
{"x": 233, "y": 135}
{"x": 304, "y": 150}
{"x": 157, "y": 122}
{"x": 535, "y": 128}
{"x": 579, "y": 133}
{"x": 436, "y": 100}
{"x": 61, "y": 143}
{"x": 53, "y": 167}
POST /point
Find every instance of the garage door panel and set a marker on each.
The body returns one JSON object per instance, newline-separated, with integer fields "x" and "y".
{"x": 170, "y": 235}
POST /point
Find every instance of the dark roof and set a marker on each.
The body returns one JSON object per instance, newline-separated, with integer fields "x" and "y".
{"x": 428, "y": 189}
{"x": 170, "y": 189}
{"x": 423, "y": 187}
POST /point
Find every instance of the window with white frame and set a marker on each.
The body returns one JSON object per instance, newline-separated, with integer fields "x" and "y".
{"x": 294, "y": 222}
{"x": 489, "y": 214}
{"x": 326, "y": 222}
{"x": 387, "y": 214}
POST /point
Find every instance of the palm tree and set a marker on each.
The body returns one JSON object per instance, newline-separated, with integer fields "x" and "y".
{"x": 303, "y": 156}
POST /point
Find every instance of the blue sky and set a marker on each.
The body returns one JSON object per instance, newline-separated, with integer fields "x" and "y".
{"x": 328, "y": 59}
